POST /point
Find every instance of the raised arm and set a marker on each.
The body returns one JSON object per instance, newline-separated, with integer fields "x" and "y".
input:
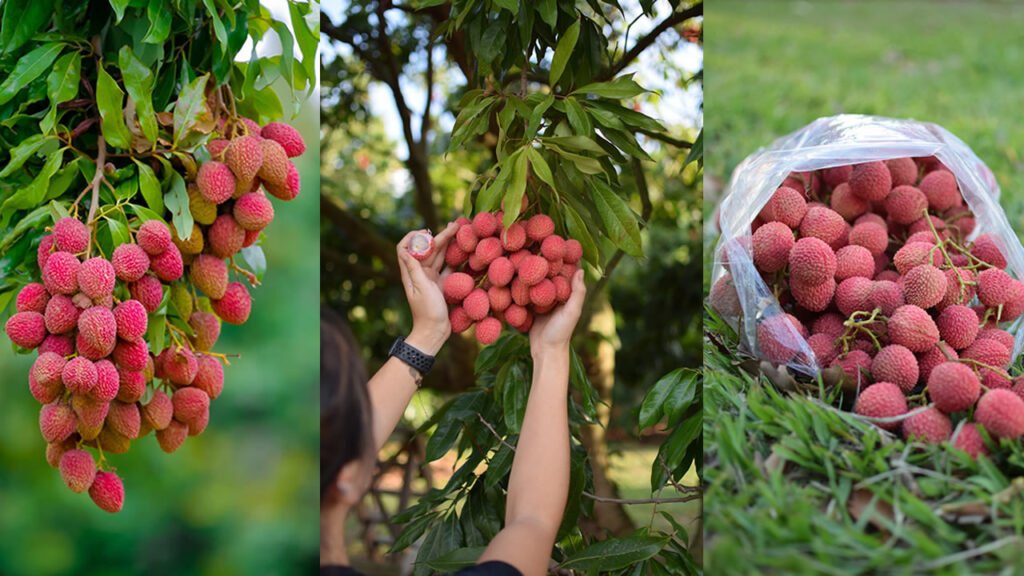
{"x": 539, "y": 484}
{"x": 393, "y": 385}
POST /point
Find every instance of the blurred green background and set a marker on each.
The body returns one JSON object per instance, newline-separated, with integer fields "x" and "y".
{"x": 238, "y": 499}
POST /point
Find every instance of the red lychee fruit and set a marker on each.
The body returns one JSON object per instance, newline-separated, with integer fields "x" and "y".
{"x": 778, "y": 338}
{"x": 520, "y": 292}
{"x": 488, "y": 250}
{"x": 154, "y": 237}
{"x": 836, "y": 175}
{"x": 912, "y": 327}
{"x": 811, "y": 262}
{"x": 158, "y": 413}
{"x": 215, "y": 181}
{"x": 871, "y": 181}
{"x": 26, "y": 329}
{"x": 107, "y": 492}
{"x": 501, "y": 271}
{"x": 216, "y": 148}
{"x": 206, "y": 328}
{"x": 924, "y": 286}
{"x": 172, "y": 437}
{"x": 882, "y": 400}
{"x": 180, "y": 366}
{"x": 958, "y": 326}
{"x": 190, "y": 404}
{"x": 253, "y": 212}
{"x": 43, "y": 251}
{"x": 940, "y": 189}
{"x": 927, "y": 361}
{"x": 902, "y": 170}
{"x": 886, "y": 295}
{"x": 244, "y": 156}
{"x": 813, "y": 298}
{"x": 994, "y": 287}
{"x": 48, "y": 369}
{"x": 724, "y": 298}
{"x": 987, "y": 351}
{"x": 824, "y": 348}
{"x": 513, "y": 238}
{"x": 772, "y": 245}
{"x": 485, "y": 225}
{"x": 539, "y": 227}
{"x": 499, "y": 297}
{"x": 1001, "y": 336}
{"x": 289, "y": 138}
{"x": 953, "y": 387}
{"x": 870, "y": 235}
{"x": 459, "y": 320}
{"x": 1001, "y": 412}
{"x": 829, "y": 323}
{"x": 149, "y": 291}
{"x": 421, "y": 245}
{"x": 477, "y": 304}
{"x": 59, "y": 344}
{"x": 573, "y": 251}
{"x": 225, "y": 236}
{"x": 235, "y": 306}
{"x": 854, "y": 295}
{"x": 787, "y": 206}
{"x": 970, "y": 441}
{"x": 457, "y": 286}
{"x": 825, "y": 224}
{"x": 853, "y": 261}
{"x": 987, "y": 249}
{"x": 210, "y": 274}
{"x": 71, "y": 235}
{"x": 543, "y": 294}
{"x": 132, "y": 356}
{"x": 488, "y": 330}
{"x": 78, "y": 470}
{"x": 466, "y": 239}
{"x": 132, "y": 385}
{"x": 96, "y": 277}
{"x": 60, "y": 275}
{"x": 108, "y": 381}
{"x": 533, "y": 269}
{"x": 957, "y": 292}
{"x": 846, "y": 203}
{"x": 32, "y": 298}
{"x": 98, "y": 327}
{"x": 929, "y": 426}
{"x": 553, "y": 248}
{"x": 896, "y": 364}
{"x": 274, "y": 169}
{"x": 916, "y": 254}
{"x": 291, "y": 187}
{"x": 56, "y": 422}
{"x": 130, "y": 262}
{"x": 454, "y": 256}
{"x": 905, "y": 204}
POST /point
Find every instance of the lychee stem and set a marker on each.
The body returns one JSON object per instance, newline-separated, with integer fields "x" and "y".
{"x": 253, "y": 280}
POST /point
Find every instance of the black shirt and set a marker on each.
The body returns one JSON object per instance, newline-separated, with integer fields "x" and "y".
{"x": 492, "y": 568}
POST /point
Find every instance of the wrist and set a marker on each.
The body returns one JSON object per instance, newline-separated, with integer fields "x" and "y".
{"x": 428, "y": 341}
{"x": 550, "y": 351}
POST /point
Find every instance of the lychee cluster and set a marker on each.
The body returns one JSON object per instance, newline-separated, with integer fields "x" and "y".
{"x": 872, "y": 265}
{"x": 507, "y": 275}
{"x": 90, "y": 316}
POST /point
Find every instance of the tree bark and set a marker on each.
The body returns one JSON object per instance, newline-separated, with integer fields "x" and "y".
{"x": 599, "y": 360}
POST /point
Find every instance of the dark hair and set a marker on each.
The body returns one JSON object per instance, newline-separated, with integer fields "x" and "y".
{"x": 345, "y": 428}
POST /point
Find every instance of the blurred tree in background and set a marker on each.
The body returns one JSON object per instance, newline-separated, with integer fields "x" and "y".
{"x": 433, "y": 109}
{"x": 239, "y": 498}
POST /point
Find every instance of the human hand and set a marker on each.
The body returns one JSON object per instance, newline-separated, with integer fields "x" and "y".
{"x": 554, "y": 331}
{"x": 422, "y": 283}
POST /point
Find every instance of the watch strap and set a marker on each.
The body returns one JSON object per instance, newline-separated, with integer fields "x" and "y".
{"x": 410, "y": 355}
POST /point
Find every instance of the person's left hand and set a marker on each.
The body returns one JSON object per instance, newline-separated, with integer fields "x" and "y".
{"x": 422, "y": 283}
{"x": 554, "y": 331}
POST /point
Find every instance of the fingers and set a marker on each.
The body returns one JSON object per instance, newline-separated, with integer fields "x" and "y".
{"x": 436, "y": 260}
{"x": 414, "y": 269}
{"x": 404, "y": 258}
{"x": 579, "y": 291}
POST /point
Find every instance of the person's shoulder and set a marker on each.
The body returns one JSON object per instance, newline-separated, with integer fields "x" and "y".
{"x": 492, "y": 568}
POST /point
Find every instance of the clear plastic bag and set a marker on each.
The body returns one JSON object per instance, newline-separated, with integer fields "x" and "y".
{"x": 837, "y": 141}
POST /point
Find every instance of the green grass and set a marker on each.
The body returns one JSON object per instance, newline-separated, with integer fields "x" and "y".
{"x": 795, "y": 486}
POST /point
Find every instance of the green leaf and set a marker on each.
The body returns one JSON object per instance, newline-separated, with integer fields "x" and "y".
{"x": 537, "y": 114}
{"x": 21, "y": 20}
{"x": 118, "y": 232}
{"x": 566, "y": 44}
{"x": 119, "y": 7}
{"x": 287, "y": 49}
{"x": 256, "y": 260}
{"x": 626, "y": 143}
{"x": 697, "y": 150}
{"x": 33, "y": 194}
{"x": 576, "y": 143}
{"x": 516, "y": 189}
{"x": 159, "y": 14}
{"x": 308, "y": 41}
{"x": 615, "y": 553}
{"x": 514, "y": 395}
{"x": 191, "y": 107}
{"x": 618, "y": 219}
{"x": 62, "y": 84}
{"x": 177, "y": 202}
{"x": 218, "y": 25}
{"x": 681, "y": 395}
{"x": 456, "y": 559}
{"x": 673, "y": 450}
{"x": 619, "y": 88}
{"x": 579, "y": 230}
{"x": 548, "y": 10}
{"x": 29, "y": 67}
{"x": 500, "y": 464}
{"x": 145, "y": 214}
{"x": 139, "y": 81}
{"x": 584, "y": 164}
{"x": 413, "y": 531}
{"x": 150, "y": 186}
{"x": 110, "y": 100}
{"x": 578, "y": 119}
{"x": 126, "y": 189}
{"x": 652, "y": 407}
{"x": 34, "y": 219}
{"x": 444, "y": 437}
{"x": 510, "y": 5}
{"x": 540, "y": 168}
{"x": 22, "y": 152}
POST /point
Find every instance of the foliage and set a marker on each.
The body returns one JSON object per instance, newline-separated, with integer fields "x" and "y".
{"x": 794, "y": 485}
{"x": 539, "y": 107}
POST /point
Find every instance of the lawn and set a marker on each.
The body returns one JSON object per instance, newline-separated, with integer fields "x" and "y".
{"x": 794, "y": 485}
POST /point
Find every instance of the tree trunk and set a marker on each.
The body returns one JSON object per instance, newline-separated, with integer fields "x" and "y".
{"x": 599, "y": 360}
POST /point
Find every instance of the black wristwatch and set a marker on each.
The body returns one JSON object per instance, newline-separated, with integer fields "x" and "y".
{"x": 416, "y": 360}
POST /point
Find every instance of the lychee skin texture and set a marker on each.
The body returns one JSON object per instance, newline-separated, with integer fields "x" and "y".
{"x": 846, "y": 203}
{"x": 154, "y": 237}
{"x": 485, "y": 225}
{"x": 986, "y": 249}
{"x": 215, "y": 181}
{"x": 930, "y": 426}
{"x": 853, "y": 261}
{"x": 48, "y": 369}
{"x": 60, "y": 275}
{"x": 553, "y": 248}
{"x": 533, "y": 269}
{"x": 132, "y": 356}
{"x": 43, "y": 251}
{"x": 108, "y": 381}
{"x": 107, "y": 492}
{"x": 207, "y": 330}
{"x": 459, "y": 320}
{"x": 466, "y": 239}
{"x": 210, "y": 274}
{"x": 772, "y": 244}
{"x": 543, "y": 294}
{"x": 814, "y": 298}
{"x": 225, "y": 236}
{"x": 477, "y": 304}
{"x": 180, "y": 366}
{"x": 994, "y": 287}
{"x": 149, "y": 291}
{"x": 724, "y": 298}
{"x": 912, "y": 327}
{"x": 172, "y": 437}
{"x": 825, "y": 224}
{"x": 970, "y": 441}
{"x": 939, "y": 187}
{"x": 56, "y": 422}
{"x": 778, "y": 338}
{"x": 895, "y": 364}
{"x": 235, "y": 306}
{"x": 870, "y": 235}
{"x": 787, "y": 206}
{"x": 940, "y": 354}
{"x": 488, "y": 330}
{"x": 488, "y": 250}
{"x": 573, "y": 251}
{"x": 882, "y": 400}
{"x": 454, "y": 256}
{"x": 98, "y": 327}
{"x": 905, "y": 204}
{"x": 501, "y": 271}
{"x": 953, "y": 387}
{"x": 457, "y": 286}
{"x": 887, "y": 296}
{"x": 903, "y": 171}
{"x": 245, "y": 157}
{"x": 190, "y": 404}
{"x": 513, "y": 238}
{"x": 539, "y": 227}
{"x": 924, "y": 286}
{"x": 1001, "y": 412}
{"x": 26, "y": 329}
{"x": 125, "y": 419}
{"x": 1001, "y": 336}
{"x": 58, "y": 344}
{"x": 132, "y": 385}
{"x": 130, "y": 262}
{"x": 988, "y": 351}
{"x": 836, "y": 175}
{"x": 210, "y": 376}
{"x": 824, "y": 348}
{"x": 957, "y": 293}
{"x": 32, "y": 298}
{"x": 274, "y": 169}
{"x": 811, "y": 262}
{"x": 871, "y": 181}
{"x": 289, "y": 138}
{"x": 158, "y": 413}
{"x": 71, "y": 235}
{"x": 958, "y": 326}
{"x": 96, "y": 277}
{"x": 253, "y": 211}
{"x": 78, "y": 470}
{"x": 291, "y": 187}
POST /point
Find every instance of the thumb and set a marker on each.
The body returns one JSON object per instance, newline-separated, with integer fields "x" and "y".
{"x": 414, "y": 268}
{"x": 579, "y": 290}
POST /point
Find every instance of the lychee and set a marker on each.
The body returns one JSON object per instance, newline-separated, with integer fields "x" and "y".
{"x": 215, "y": 182}
{"x": 772, "y": 245}
{"x": 902, "y": 170}
{"x": 488, "y": 330}
{"x": 854, "y": 295}
{"x": 71, "y": 235}
{"x": 78, "y": 470}
{"x": 60, "y": 275}
{"x": 882, "y": 400}
{"x": 939, "y": 354}
{"x": 846, "y": 203}
{"x": 813, "y": 298}
{"x": 132, "y": 356}
{"x": 916, "y": 254}
{"x": 533, "y": 269}
{"x": 886, "y": 295}
{"x": 56, "y": 422}
{"x": 1001, "y": 336}
{"x": 924, "y": 286}
{"x": 457, "y": 286}
{"x": 459, "y": 320}
{"x": 154, "y": 237}
{"x": 59, "y": 344}
{"x": 107, "y": 492}
{"x": 539, "y": 227}
{"x": 787, "y": 206}
{"x": 724, "y": 298}
{"x": 477, "y": 304}
{"x": 543, "y": 294}
{"x": 172, "y": 437}
{"x": 501, "y": 271}
{"x": 206, "y": 329}
{"x": 210, "y": 274}
{"x": 180, "y": 366}
{"x": 958, "y": 326}
{"x": 244, "y": 156}
{"x": 466, "y": 239}
{"x": 132, "y": 385}
{"x": 871, "y": 181}
{"x": 778, "y": 337}
{"x": 929, "y": 426}
{"x": 190, "y": 404}
{"x": 98, "y": 327}
{"x": 824, "y": 348}
{"x": 970, "y": 441}
{"x": 870, "y": 235}
{"x": 987, "y": 249}
{"x": 235, "y": 306}
{"x": 836, "y": 175}
{"x": 1001, "y": 412}
{"x": 148, "y": 291}
{"x": 32, "y": 298}
{"x": 26, "y": 329}
{"x": 454, "y": 256}
{"x": 905, "y": 204}
{"x": 852, "y": 261}
{"x": 829, "y": 323}
{"x": 573, "y": 251}
{"x": 291, "y": 187}
{"x": 912, "y": 327}
{"x": 953, "y": 387}
{"x": 225, "y": 236}
{"x": 130, "y": 262}
{"x": 43, "y": 250}
{"x": 488, "y": 250}
{"x": 939, "y": 187}
{"x": 987, "y": 351}
{"x": 994, "y": 287}
{"x": 158, "y": 413}
{"x": 513, "y": 238}
{"x": 896, "y": 364}
{"x": 253, "y": 211}
{"x": 485, "y": 225}
{"x": 274, "y": 168}
{"x": 825, "y": 224}
{"x": 811, "y": 262}
{"x": 289, "y": 138}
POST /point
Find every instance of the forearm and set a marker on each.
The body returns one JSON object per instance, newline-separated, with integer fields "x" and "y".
{"x": 392, "y": 387}
{"x": 539, "y": 482}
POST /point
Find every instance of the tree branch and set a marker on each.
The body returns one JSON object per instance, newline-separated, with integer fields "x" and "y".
{"x": 425, "y": 121}
{"x": 662, "y": 137}
{"x": 645, "y": 42}
{"x": 364, "y": 236}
